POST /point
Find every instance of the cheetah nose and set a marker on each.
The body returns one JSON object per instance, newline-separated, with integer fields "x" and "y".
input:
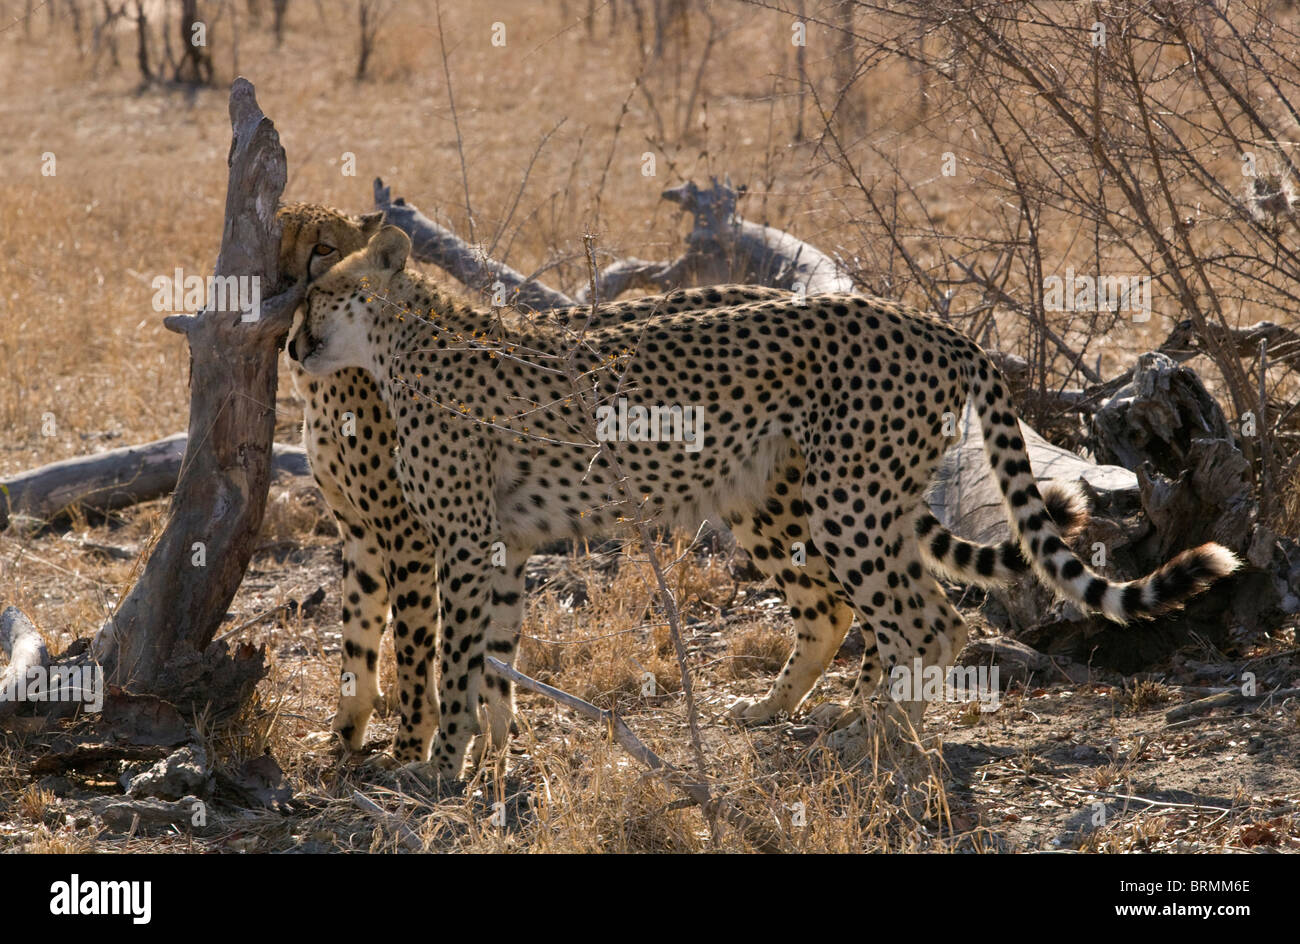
{"x": 293, "y": 347}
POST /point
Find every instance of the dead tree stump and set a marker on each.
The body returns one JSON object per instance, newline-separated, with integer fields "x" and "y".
{"x": 159, "y": 639}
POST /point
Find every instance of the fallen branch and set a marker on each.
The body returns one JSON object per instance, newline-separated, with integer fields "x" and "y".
{"x": 761, "y": 837}
{"x": 404, "y": 833}
{"x": 1204, "y": 706}
{"x": 724, "y": 247}
{"x": 25, "y": 650}
{"x": 114, "y": 479}
{"x": 84, "y": 756}
{"x": 465, "y": 263}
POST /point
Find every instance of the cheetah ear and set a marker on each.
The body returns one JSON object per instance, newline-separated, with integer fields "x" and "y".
{"x": 388, "y": 249}
{"x": 370, "y": 223}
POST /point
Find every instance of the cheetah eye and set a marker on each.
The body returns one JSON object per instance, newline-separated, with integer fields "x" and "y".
{"x": 322, "y": 249}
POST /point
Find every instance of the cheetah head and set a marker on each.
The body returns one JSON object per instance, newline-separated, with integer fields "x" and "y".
{"x": 344, "y": 304}
{"x": 313, "y": 238}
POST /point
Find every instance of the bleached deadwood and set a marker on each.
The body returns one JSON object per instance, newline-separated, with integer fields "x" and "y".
{"x": 967, "y": 499}
{"x": 1228, "y": 699}
{"x": 724, "y": 247}
{"x": 158, "y": 639}
{"x": 25, "y": 650}
{"x": 465, "y": 263}
{"x": 113, "y": 479}
{"x": 761, "y": 837}
{"x": 1191, "y": 486}
{"x": 404, "y": 833}
{"x": 966, "y": 496}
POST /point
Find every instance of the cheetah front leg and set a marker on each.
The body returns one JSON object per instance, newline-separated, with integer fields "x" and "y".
{"x": 412, "y": 575}
{"x": 889, "y": 589}
{"x": 365, "y": 613}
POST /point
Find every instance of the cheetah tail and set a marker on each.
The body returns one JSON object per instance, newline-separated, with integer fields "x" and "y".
{"x": 1161, "y": 591}
{"x": 996, "y": 565}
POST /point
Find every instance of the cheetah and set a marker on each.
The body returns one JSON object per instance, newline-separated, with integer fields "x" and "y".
{"x": 847, "y": 395}
{"x": 349, "y": 438}
{"x": 386, "y": 561}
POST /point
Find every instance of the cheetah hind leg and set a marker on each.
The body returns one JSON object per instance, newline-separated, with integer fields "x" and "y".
{"x": 821, "y": 618}
{"x": 871, "y": 725}
{"x": 834, "y": 716}
{"x": 897, "y": 723}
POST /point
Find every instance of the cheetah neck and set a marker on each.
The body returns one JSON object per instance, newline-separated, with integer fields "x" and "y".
{"x": 432, "y": 317}
{"x": 417, "y": 331}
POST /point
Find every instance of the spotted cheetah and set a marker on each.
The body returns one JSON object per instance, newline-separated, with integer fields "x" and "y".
{"x": 386, "y": 556}
{"x": 500, "y": 449}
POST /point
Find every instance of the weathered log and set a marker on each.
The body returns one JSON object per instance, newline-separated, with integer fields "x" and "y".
{"x": 1195, "y": 486}
{"x": 967, "y": 499}
{"x": 1014, "y": 661}
{"x": 147, "y": 815}
{"x": 1194, "y": 480}
{"x": 25, "y": 650}
{"x": 465, "y": 263}
{"x": 1283, "y": 342}
{"x": 1228, "y": 699}
{"x": 723, "y": 247}
{"x": 1158, "y": 417}
{"x": 111, "y": 480}
{"x": 158, "y": 639}
{"x": 966, "y": 496}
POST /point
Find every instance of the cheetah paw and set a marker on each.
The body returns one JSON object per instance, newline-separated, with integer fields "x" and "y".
{"x": 352, "y": 720}
{"x": 746, "y": 711}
